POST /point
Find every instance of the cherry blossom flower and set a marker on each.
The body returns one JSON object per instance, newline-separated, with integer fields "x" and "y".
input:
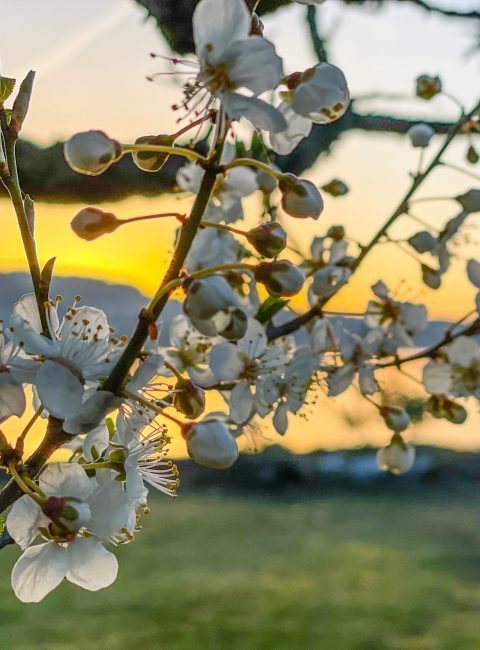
{"x": 75, "y": 553}
{"x": 232, "y": 60}
{"x": 250, "y": 361}
{"x": 400, "y": 320}
{"x": 320, "y": 94}
{"x": 229, "y": 189}
{"x": 356, "y": 353}
{"x": 77, "y": 355}
{"x": 287, "y": 392}
{"x": 457, "y": 372}
{"x": 190, "y": 351}
{"x": 140, "y": 448}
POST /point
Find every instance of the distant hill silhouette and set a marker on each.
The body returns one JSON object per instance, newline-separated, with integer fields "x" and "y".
{"x": 122, "y": 304}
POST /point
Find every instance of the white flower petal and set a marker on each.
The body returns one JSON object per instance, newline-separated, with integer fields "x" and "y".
{"x": 259, "y": 113}
{"x": 59, "y": 390}
{"x": 280, "y": 419}
{"x": 66, "y": 480}
{"x": 217, "y": 24}
{"x": 38, "y": 571}
{"x": 241, "y": 402}
{"x": 23, "y": 521}
{"x": 12, "y": 398}
{"x": 90, "y": 566}
{"x": 225, "y": 362}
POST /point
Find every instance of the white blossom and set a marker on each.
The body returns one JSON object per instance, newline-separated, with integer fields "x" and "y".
{"x": 77, "y": 355}
{"x": 68, "y": 554}
{"x": 231, "y": 60}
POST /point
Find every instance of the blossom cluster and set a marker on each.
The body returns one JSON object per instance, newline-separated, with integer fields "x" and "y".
{"x": 234, "y": 333}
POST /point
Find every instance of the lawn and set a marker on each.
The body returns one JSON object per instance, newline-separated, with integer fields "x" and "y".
{"x": 340, "y": 571}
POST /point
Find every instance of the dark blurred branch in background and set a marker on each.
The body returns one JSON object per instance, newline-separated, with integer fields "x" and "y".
{"x": 46, "y": 177}
{"x": 174, "y": 17}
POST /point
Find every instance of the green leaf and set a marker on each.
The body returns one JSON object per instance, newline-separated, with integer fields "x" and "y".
{"x": 2, "y": 525}
{"x": 6, "y": 88}
{"x": 269, "y": 308}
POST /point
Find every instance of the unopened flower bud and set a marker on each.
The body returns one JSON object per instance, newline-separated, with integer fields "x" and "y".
{"x": 207, "y": 296}
{"x": 420, "y": 135}
{"x": 91, "y": 152}
{"x": 398, "y": 457}
{"x": 152, "y": 161}
{"x": 396, "y": 418}
{"x": 428, "y": 86}
{"x": 300, "y": 198}
{"x": 189, "y": 399}
{"x": 322, "y": 94}
{"x": 91, "y": 223}
{"x": 280, "y": 277}
{"x": 211, "y": 443}
{"x": 470, "y": 201}
{"x": 268, "y": 239}
{"x": 472, "y": 155}
{"x": 336, "y": 188}
{"x": 337, "y": 233}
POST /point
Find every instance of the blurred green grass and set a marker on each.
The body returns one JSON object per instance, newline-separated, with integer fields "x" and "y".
{"x": 341, "y": 571}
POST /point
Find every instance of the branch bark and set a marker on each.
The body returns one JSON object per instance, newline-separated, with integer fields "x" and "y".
{"x": 45, "y": 176}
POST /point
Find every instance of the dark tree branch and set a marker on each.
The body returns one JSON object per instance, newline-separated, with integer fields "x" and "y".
{"x": 318, "y": 43}
{"x": 45, "y": 175}
{"x": 174, "y": 17}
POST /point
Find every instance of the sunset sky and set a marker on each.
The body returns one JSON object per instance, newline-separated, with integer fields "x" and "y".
{"x": 92, "y": 58}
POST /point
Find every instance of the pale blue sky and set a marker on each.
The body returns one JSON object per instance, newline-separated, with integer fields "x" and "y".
{"x": 92, "y": 58}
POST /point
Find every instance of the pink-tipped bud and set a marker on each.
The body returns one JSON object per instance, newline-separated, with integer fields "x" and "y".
{"x": 91, "y": 223}
{"x": 428, "y": 86}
